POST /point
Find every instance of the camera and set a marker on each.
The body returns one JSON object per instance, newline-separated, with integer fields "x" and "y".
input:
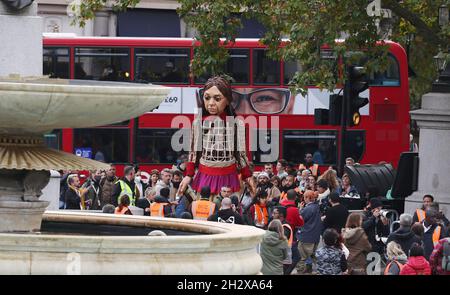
{"x": 386, "y": 214}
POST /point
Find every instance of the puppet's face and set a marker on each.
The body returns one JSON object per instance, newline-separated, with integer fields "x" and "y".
{"x": 215, "y": 102}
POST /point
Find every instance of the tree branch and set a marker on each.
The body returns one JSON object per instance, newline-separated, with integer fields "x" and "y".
{"x": 422, "y": 28}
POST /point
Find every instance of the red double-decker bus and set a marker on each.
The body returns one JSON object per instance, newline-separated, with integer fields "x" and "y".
{"x": 260, "y": 92}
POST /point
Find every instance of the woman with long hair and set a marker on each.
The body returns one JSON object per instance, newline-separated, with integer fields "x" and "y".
{"x": 274, "y": 248}
{"x": 331, "y": 177}
{"x": 217, "y": 143}
{"x": 356, "y": 241}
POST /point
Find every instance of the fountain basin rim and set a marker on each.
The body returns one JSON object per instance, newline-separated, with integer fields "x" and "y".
{"x": 80, "y": 86}
{"x": 222, "y": 236}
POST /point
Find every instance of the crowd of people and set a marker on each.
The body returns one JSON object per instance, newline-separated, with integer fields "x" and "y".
{"x": 315, "y": 223}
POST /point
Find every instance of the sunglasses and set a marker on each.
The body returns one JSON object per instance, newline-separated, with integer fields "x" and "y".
{"x": 265, "y": 101}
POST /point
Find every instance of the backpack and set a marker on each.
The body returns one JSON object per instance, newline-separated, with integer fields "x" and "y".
{"x": 446, "y": 255}
{"x": 388, "y": 267}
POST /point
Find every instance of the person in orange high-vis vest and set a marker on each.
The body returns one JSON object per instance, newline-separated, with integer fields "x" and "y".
{"x": 258, "y": 212}
{"x": 433, "y": 232}
{"x": 203, "y": 208}
{"x": 161, "y": 207}
{"x": 123, "y": 209}
{"x": 157, "y": 209}
{"x": 420, "y": 214}
{"x": 309, "y": 164}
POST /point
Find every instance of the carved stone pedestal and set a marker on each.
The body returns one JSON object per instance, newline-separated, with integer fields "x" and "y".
{"x": 20, "y": 208}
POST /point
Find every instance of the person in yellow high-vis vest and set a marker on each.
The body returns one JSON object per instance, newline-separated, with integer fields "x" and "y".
{"x": 126, "y": 186}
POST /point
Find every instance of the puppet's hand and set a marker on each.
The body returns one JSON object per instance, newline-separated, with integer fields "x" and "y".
{"x": 183, "y": 185}
{"x": 251, "y": 185}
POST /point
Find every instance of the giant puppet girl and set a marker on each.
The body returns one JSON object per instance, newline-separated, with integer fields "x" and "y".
{"x": 218, "y": 149}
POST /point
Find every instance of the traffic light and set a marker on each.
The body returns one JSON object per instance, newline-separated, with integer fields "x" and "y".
{"x": 321, "y": 116}
{"x": 356, "y": 83}
{"x": 335, "y": 113}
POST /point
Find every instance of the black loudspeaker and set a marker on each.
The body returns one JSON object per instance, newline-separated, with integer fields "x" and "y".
{"x": 335, "y": 113}
{"x": 321, "y": 116}
{"x": 405, "y": 182}
{"x": 365, "y": 177}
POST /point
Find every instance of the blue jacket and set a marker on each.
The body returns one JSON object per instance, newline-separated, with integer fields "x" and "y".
{"x": 311, "y": 230}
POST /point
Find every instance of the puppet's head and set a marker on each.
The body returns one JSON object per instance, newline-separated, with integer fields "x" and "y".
{"x": 217, "y": 97}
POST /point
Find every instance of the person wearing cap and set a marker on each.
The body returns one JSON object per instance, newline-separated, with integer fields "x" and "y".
{"x": 203, "y": 208}
{"x": 375, "y": 225}
{"x": 264, "y": 184}
{"x": 404, "y": 235}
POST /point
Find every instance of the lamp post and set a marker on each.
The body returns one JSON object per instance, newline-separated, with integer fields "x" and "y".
{"x": 442, "y": 84}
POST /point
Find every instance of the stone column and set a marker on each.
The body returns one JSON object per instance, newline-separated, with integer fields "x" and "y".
{"x": 433, "y": 120}
{"x": 21, "y": 41}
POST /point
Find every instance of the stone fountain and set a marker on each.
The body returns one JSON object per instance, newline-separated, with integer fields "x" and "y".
{"x": 31, "y": 105}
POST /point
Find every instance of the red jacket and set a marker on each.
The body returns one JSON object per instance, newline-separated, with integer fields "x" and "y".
{"x": 292, "y": 214}
{"x": 417, "y": 265}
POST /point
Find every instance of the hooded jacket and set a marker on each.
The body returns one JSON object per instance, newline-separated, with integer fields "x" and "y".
{"x": 292, "y": 214}
{"x": 416, "y": 265}
{"x": 273, "y": 252}
{"x": 404, "y": 237}
{"x": 355, "y": 239}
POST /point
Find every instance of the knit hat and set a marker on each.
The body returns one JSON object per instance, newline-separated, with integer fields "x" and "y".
{"x": 263, "y": 174}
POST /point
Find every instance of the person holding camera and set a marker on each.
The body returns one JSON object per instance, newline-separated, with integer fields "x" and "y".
{"x": 376, "y": 224}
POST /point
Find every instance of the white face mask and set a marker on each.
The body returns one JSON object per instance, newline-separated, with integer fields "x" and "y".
{"x": 137, "y": 179}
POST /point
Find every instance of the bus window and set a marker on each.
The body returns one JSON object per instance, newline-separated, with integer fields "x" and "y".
{"x": 321, "y": 144}
{"x": 265, "y": 70}
{"x": 390, "y": 77}
{"x": 237, "y": 67}
{"x": 355, "y": 144}
{"x": 154, "y": 146}
{"x": 162, "y": 65}
{"x": 110, "y": 145}
{"x": 56, "y": 62}
{"x": 290, "y": 68}
{"x": 105, "y": 64}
